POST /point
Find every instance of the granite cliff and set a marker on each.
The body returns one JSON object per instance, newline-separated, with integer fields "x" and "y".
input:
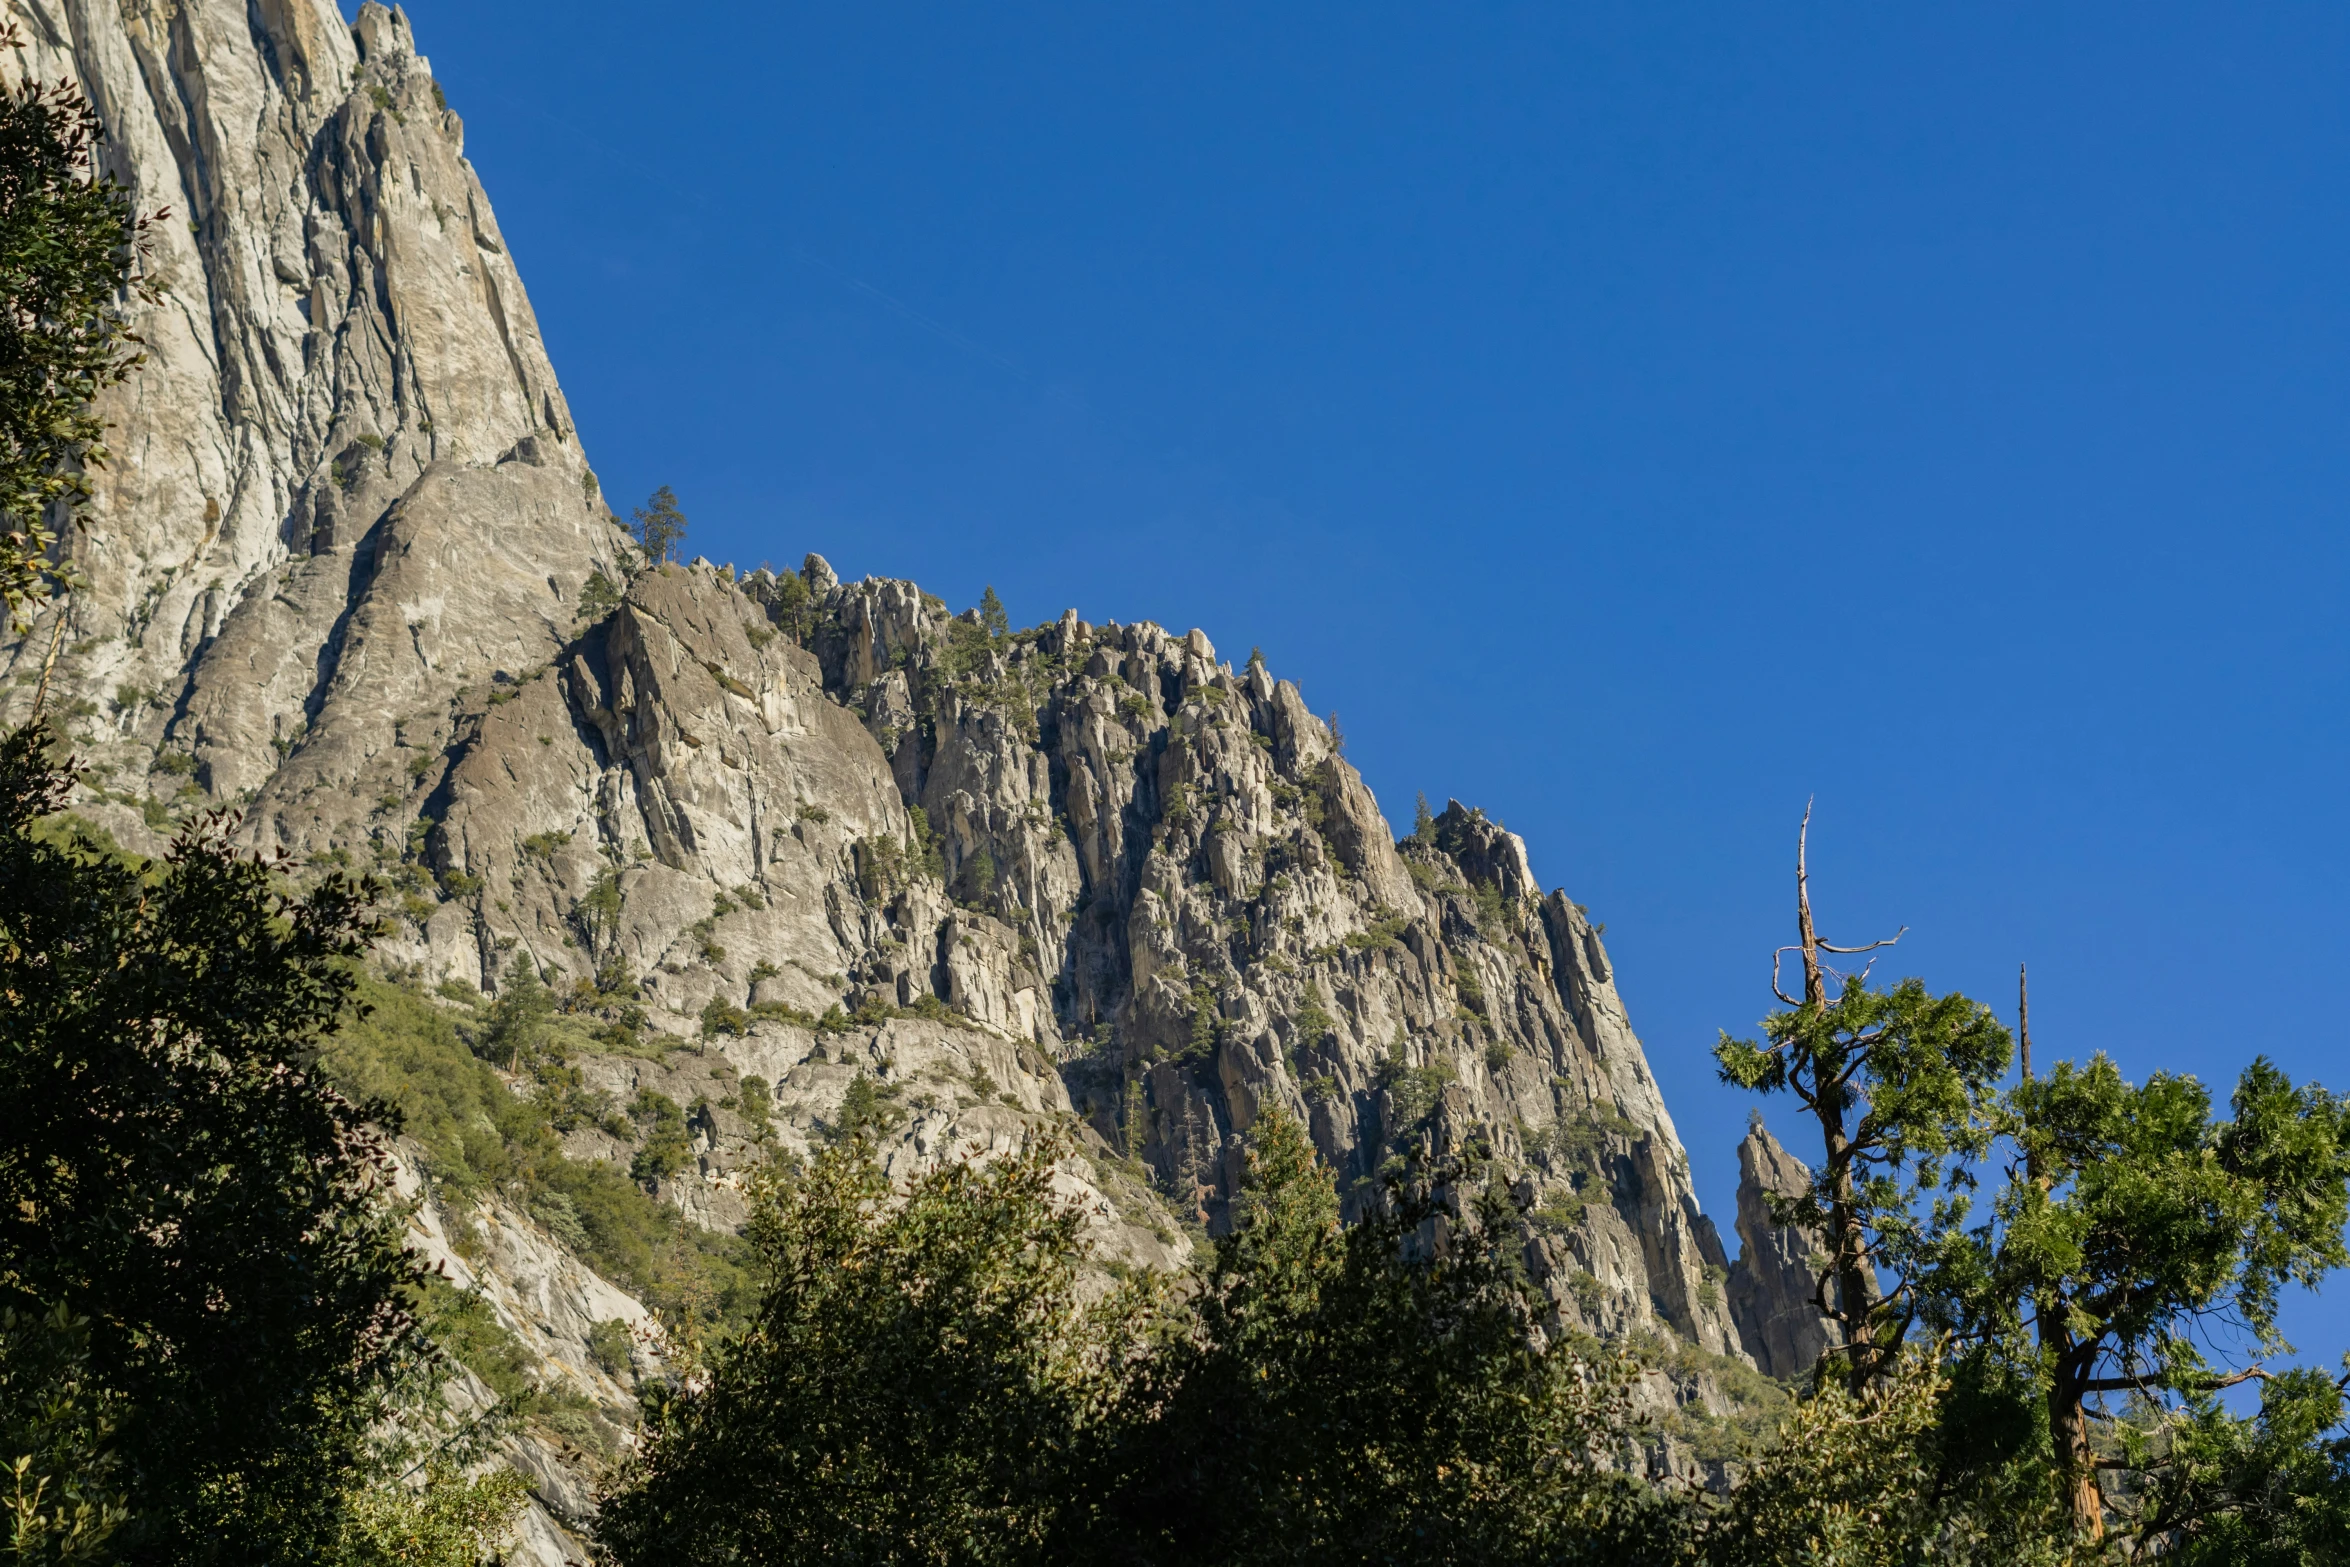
{"x": 350, "y": 574}
{"x": 1774, "y": 1282}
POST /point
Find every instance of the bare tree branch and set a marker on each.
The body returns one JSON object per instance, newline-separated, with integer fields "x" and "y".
{"x": 1871, "y": 947}
{"x": 2201, "y": 1384}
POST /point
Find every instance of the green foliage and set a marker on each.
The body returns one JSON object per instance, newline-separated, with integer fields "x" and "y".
{"x": 467, "y": 1330}
{"x": 1495, "y": 920}
{"x": 721, "y": 1016}
{"x": 1901, "y": 1083}
{"x": 977, "y": 882}
{"x": 451, "y": 1519}
{"x": 662, "y": 1145}
{"x": 61, "y": 1492}
{"x": 757, "y": 1104}
{"x": 1386, "y": 930}
{"x": 1413, "y": 1093}
{"x": 992, "y": 618}
{"x": 2134, "y": 1225}
{"x": 1867, "y": 1480}
{"x": 659, "y": 526}
{"x": 176, "y": 1173}
{"x": 598, "y": 597}
{"x": 1423, "y": 822}
{"x": 1343, "y": 1396}
{"x": 885, "y": 864}
{"x": 2265, "y": 1490}
{"x": 868, "y": 1110}
{"x": 517, "y": 1023}
{"x": 1315, "y": 1028}
{"x": 917, "y": 1387}
{"x": 545, "y": 845}
{"x": 1200, "y": 1050}
{"x": 610, "y": 1345}
{"x": 68, "y": 241}
{"x": 793, "y": 609}
{"x": 1472, "y": 992}
{"x": 478, "y": 1136}
{"x": 599, "y": 907}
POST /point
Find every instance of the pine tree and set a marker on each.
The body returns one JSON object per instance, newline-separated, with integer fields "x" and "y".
{"x": 1353, "y": 1395}
{"x": 659, "y": 526}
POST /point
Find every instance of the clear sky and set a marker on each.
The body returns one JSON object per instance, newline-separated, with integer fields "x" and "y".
{"x": 1630, "y": 418}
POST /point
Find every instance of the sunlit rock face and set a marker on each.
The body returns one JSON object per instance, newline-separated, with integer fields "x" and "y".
{"x": 1774, "y": 1283}
{"x": 348, "y": 571}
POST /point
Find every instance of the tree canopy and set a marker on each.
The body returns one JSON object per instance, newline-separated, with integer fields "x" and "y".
{"x": 659, "y": 526}
{"x": 2133, "y": 1237}
{"x": 176, "y": 1174}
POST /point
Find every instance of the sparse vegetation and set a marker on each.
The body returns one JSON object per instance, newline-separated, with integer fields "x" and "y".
{"x": 598, "y": 597}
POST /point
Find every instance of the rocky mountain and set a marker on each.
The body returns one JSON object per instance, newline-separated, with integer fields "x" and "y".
{"x": 351, "y": 574}
{"x": 1773, "y": 1283}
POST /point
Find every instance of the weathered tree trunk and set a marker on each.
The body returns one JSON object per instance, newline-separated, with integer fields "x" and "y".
{"x": 2068, "y": 1429}
{"x": 1856, "y": 1295}
{"x": 2068, "y": 1415}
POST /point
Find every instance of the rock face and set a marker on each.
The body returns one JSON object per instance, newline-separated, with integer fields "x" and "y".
{"x": 350, "y": 573}
{"x": 346, "y": 482}
{"x": 1773, "y": 1284}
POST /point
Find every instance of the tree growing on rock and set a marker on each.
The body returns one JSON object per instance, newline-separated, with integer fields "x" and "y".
{"x": 69, "y": 245}
{"x": 659, "y": 526}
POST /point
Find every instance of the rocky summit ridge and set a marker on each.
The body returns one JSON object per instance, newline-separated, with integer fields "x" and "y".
{"x": 349, "y": 572}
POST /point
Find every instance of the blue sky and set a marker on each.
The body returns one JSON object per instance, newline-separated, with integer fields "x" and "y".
{"x": 1633, "y": 419}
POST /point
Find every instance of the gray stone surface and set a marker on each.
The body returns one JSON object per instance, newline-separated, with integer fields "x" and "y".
{"x": 1773, "y": 1285}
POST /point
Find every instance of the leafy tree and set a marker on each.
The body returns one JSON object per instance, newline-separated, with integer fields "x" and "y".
{"x": 62, "y": 1498}
{"x": 917, "y": 1387}
{"x": 1901, "y": 1084}
{"x": 1874, "y": 1479}
{"x": 175, "y": 1172}
{"x": 1423, "y": 822}
{"x": 449, "y": 1520}
{"x": 2266, "y": 1490}
{"x": 659, "y": 526}
{"x": 1357, "y": 1395}
{"x": 68, "y": 243}
{"x": 2133, "y": 1226}
{"x": 992, "y": 617}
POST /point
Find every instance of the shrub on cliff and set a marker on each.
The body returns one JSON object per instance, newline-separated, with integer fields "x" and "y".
{"x": 68, "y": 242}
